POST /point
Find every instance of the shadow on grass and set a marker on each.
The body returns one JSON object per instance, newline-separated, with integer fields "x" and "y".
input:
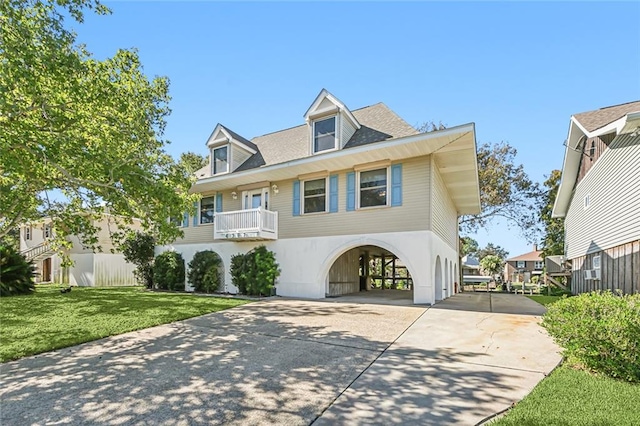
{"x": 277, "y": 362}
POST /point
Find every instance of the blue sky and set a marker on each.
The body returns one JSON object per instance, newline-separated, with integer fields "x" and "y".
{"x": 517, "y": 70}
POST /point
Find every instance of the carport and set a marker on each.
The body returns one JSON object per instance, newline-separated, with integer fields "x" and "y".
{"x": 370, "y": 269}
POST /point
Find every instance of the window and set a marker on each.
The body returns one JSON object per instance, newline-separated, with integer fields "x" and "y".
{"x": 592, "y": 150}
{"x": 373, "y": 188}
{"x": 315, "y": 196}
{"x": 27, "y": 233}
{"x": 596, "y": 262}
{"x": 539, "y": 264}
{"x": 324, "y": 134}
{"x": 256, "y": 198}
{"x": 220, "y": 160}
{"x": 207, "y": 209}
{"x": 521, "y": 264}
{"x": 47, "y": 230}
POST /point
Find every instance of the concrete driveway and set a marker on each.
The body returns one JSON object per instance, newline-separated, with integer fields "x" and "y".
{"x": 293, "y": 362}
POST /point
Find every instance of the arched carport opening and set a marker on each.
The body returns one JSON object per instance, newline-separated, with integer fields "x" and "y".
{"x": 371, "y": 269}
{"x": 438, "y": 280}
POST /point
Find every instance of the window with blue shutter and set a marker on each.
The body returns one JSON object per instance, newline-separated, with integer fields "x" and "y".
{"x": 351, "y": 191}
{"x": 333, "y": 194}
{"x": 296, "y": 198}
{"x": 195, "y": 214}
{"x": 396, "y": 185}
{"x": 219, "y": 202}
{"x": 185, "y": 220}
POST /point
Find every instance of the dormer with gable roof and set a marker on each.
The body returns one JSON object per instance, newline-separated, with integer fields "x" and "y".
{"x": 330, "y": 122}
{"x": 228, "y": 150}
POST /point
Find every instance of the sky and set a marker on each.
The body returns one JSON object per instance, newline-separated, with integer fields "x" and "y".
{"x": 517, "y": 70}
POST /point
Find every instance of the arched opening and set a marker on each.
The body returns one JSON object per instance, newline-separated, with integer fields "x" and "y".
{"x": 445, "y": 290}
{"x": 371, "y": 269}
{"x": 451, "y": 279}
{"x": 438, "y": 280}
{"x": 456, "y": 279}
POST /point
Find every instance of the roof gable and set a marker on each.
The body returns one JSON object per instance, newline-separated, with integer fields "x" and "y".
{"x": 326, "y": 103}
{"x": 593, "y": 120}
{"x": 222, "y": 134}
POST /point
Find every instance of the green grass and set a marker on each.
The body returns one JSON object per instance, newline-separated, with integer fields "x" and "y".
{"x": 577, "y": 398}
{"x": 545, "y": 300}
{"x": 47, "y": 319}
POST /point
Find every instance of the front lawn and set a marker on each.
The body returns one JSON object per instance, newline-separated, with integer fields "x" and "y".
{"x": 47, "y": 319}
{"x": 572, "y": 397}
{"x": 545, "y": 300}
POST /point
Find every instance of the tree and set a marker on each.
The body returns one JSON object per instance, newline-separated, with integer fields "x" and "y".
{"x": 138, "y": 248}
{"x": 493, "y": 250}
{"x": 468, "y": 246}
{"x": 191, "y": 162}
{"x": 79, "y": 136}
{"x": 553, "y": 240}
{"x": 491, "y": 265}
{"x": 505, "y": 192}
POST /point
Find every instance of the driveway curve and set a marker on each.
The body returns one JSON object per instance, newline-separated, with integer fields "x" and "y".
{"x": 290, "y": 362}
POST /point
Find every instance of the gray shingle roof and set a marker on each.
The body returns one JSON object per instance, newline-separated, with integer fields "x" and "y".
{"x": 239, "y": 138}
{"x": 593, "y": 120}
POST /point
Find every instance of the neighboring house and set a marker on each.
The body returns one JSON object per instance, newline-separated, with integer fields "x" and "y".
{"x": 524, "y": 267}
{"x": 471, "y": 273}
{"x": 334, "y": 192}
{"x": 599, "y": 197}
{"x": 88, "y": 269}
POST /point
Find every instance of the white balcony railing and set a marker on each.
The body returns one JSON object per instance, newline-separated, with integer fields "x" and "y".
{"x": 252, "y": 224}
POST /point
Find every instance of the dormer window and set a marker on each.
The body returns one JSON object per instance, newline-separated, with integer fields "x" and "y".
{"x": 220, "y": 160}
{"x": 324, "y": 134}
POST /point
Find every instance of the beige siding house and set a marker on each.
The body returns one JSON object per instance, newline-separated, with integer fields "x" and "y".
{"x": 335, "y": 192}
{"x": 599, "y": 197}
{"x": 89, "y": 268}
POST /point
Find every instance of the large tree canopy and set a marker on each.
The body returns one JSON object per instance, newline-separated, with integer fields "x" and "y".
{"x": 80, "y": 136}
{"x": 553, "y": 241}
{"x": 506, "y": 192}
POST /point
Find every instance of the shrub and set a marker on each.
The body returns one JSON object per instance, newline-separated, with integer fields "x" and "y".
{"x": 204, "y": 271}
{"x": 138, "y": 249}
{"x": 168, "y": 271}
{"x": 599, "y": 331}
{"x": 16, "y": 274}
{"x": 255, "y": 273}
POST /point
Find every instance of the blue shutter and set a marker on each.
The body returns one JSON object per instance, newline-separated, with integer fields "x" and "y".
{"x": 396, "y": 185}
{"x": 351, "y": 191}
{"x": 185, "y": 220}
{"x": 219, "y": 202}
{"x": 333, "y": 194}
{"x": 296, "y": 198}
{"x": 195, "y": 215}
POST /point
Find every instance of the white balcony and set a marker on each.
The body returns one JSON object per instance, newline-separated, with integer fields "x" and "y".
{"x": 246, "y": 225}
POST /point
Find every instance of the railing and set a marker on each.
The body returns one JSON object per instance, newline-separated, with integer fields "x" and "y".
{"x": 39, "y": 250}
{"x": 246, "y": 224}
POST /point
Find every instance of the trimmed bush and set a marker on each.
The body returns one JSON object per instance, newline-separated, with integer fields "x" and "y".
{"x": 168, "y": 271}
{"x": 16, "y": 274}
{"x": 255, "y": 273}
{"x": 599, "y": 331}
{"x": 139, "y": 249}
{"x": 204, "y": 271}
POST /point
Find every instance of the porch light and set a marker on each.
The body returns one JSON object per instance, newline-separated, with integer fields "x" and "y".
{"x": 274, "y": 188}
{"x": 234, "y": 195}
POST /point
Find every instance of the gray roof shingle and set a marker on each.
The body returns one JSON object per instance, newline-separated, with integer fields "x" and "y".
{"x": 593, "y": 120}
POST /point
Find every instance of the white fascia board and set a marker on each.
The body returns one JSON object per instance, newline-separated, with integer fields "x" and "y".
{"x": 258, "y": 173}
{"x": 214, "y": 139}
{"x": 324, "y": 93}
{"x": 569, "y": 169}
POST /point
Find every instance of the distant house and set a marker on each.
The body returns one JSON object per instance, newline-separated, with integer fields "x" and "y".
{"x": 524, "y": 267}
{"x": 599, "y": 197}
{"x": 470, "y": 265}
{"x": 343, "y": 190}
{"x": 88, "y": 269}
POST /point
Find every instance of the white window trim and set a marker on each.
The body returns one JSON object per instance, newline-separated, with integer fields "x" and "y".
{"x": 229, "y": 151}
{"x": 326, "y": 196}
{"x": 337, "y": 134}
{"x": 251, "y": 192}
{"x": 524, "y": 264}
{"x": 388, "y": 192}
{"x": 200, "y": 209}
{"x": 44, "y": 231}
{"x": 538, "y": 264}
{"x": 28, "y": 233}
{"x": 593, "y": 262}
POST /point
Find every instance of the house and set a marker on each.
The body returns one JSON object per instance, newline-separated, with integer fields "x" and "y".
{"x": 89, "y": 269}
{"x": 333, "y": 193}
{"x": 599, "y": 199}
{"x": 471, "y": 273}
{"x": 524, "y": 267}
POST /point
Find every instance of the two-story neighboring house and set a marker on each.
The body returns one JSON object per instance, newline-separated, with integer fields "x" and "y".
{"x": 599, "y": 197}
{"x": 105, "y": 268}
{"x": 330, "y": 194}
{"x": 525, "y": 266}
